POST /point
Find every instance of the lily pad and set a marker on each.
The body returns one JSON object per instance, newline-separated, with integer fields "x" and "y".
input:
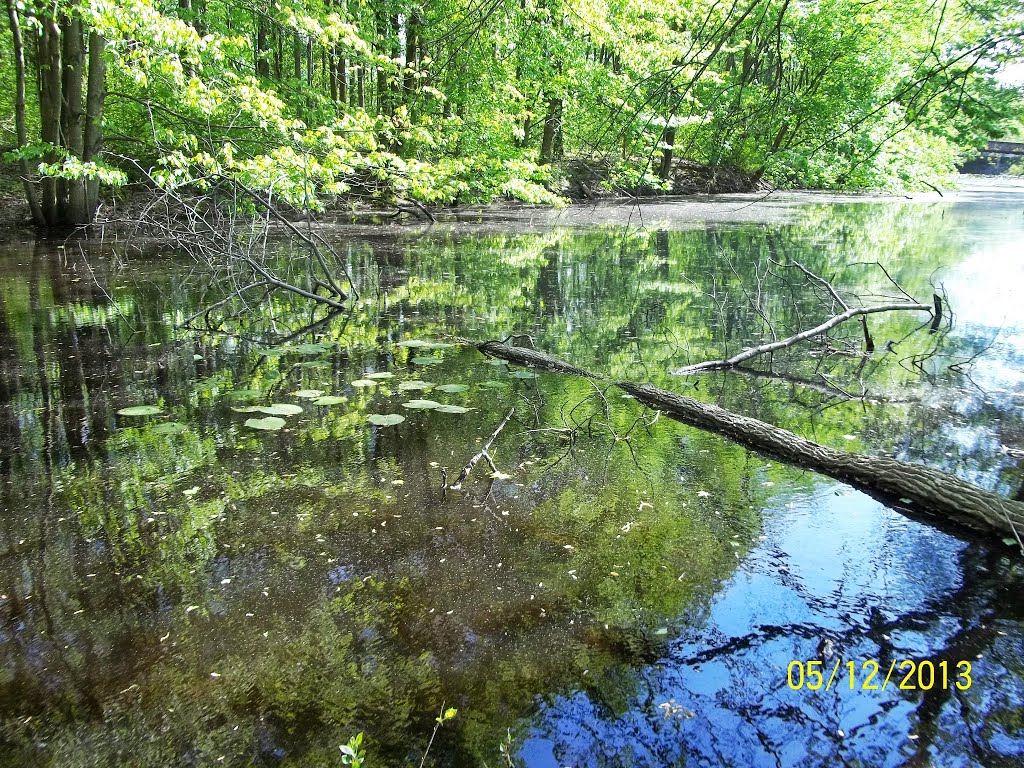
{"x": 385, "y": 419}
{"x": 492, "y": 384}
{"x": 423, "y": 344}
{"x": 524, "y": 374}
{"x": 428, "y": 360}
{"x": 422, "y": 405}
{"x": 315, "y": 364}
{"x": 361, "y": 383}
{"x": 310, "y": 349}
{"x": 267, "y": 423}
{"x": 414, "y": 384}
{"x": 141, "y": 410}
{"x": 453, "y": 388}
{"x": 330, "y": 400}
{"x": 280, "y": 409}
{"x": 380, "y": 375}
{"x": 168, "y": 428}
{"x": 277, "y": 409}
{"x": 308, "y": 394}
{"x": 244, "y": 394}
{"x": 452, "y": 409}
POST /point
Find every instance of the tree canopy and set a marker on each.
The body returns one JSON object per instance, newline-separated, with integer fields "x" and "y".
{"x": 458, "y": 101}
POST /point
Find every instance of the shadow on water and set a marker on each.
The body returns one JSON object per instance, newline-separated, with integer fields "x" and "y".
{"x": 252, "y": 573}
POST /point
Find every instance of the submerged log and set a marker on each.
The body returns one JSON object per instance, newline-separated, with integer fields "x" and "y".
{"x": 905, "y": 486}
{"x": 921, "y": 488}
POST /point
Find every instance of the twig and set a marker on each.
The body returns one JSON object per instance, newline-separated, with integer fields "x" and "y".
{"x": 482, "y": 453}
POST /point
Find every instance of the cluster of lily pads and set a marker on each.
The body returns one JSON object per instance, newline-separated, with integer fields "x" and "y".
{"x": 272, "y": 416}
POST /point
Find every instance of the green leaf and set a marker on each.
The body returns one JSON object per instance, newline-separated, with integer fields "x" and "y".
{"x": 362, "y": 383}
{"x": 268, "y": 423}
{"x": 421, "y": 405}
{"x": 330, "y": 400}
{"x": 414, "y": 384}
{"x": 452, "y": 409}
{"x": 381, "y": 375}
{"x": 168, "y": 428}
{"x": 141, "y": 410}
{"x": 453, "y": 388}
{"x": 308, "y": 394}
{"x": 281, "y": 409}
{"x": 385, "y": 419}
{"x": 310, "y": 349}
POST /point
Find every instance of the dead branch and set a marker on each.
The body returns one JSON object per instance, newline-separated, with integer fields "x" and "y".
{"x": 482, "y": 453}
{"x": 775, "y": 346}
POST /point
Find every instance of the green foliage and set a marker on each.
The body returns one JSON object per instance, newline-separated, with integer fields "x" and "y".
{"x": 451, "y": 103}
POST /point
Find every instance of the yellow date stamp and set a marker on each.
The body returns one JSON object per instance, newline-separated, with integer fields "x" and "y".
{"x": 869, "y": 675}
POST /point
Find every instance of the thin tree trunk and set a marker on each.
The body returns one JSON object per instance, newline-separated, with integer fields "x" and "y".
{"x": 411, "y": 41}
{"x": 262, "y": 48}
{"x": 297, "y": 56}
{"x": 96, "y": 93}
{"x": 19, "y": 113}
{"x": 48, "y": 42}
{"x": 72, "y": 118}
{"x": 669, "y": 139}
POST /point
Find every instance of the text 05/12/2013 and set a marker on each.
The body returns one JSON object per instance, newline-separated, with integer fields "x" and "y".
{"x": 906, "y": 675}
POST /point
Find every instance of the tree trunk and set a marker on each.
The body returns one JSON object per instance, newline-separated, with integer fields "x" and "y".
{"x": 262, "y": 48}
{"x": 669, "y": 140}
{"x": 72, "y": 203}
{"x": 19, "y": 113}
{"x": 411, "y": 44}
{"x": 297, "y": 56}
{"x": 96, "y": 93}
{"x": 552, "y": 127}
{"x": 48, "y": 57}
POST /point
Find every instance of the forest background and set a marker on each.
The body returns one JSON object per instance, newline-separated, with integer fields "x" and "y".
{"x": 312, "y": 104}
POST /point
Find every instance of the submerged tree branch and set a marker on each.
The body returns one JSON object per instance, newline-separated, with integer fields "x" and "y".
{"x": 775, "y": 346}
{"x": 908, "y": 488}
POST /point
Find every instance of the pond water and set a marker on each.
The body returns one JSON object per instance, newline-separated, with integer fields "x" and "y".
{"x": 206, "y": 585}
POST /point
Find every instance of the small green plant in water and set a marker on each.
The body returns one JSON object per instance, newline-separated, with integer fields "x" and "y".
{"x": 353, "y": 753}
{"x": 444, "y": 717}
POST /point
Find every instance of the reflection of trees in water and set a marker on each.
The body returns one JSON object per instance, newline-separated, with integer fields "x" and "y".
{"x": 95, "y": 500}
{"x": 750, "y": 718}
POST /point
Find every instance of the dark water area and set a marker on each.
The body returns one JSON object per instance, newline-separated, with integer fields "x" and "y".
{"x": 203, "y": 583}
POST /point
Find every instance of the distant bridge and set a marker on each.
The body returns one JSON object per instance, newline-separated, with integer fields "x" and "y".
{"x": 996, "y": 157}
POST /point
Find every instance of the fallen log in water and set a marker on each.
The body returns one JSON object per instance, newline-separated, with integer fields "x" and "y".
{"x": 918, "y": 488}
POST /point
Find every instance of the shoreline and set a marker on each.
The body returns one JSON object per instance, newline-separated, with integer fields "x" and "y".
{"x": 667, "y": 211}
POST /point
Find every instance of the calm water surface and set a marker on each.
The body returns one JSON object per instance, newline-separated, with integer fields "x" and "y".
{"x": 184, "y": 589}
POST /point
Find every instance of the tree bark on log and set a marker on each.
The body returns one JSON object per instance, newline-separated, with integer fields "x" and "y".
{"x": 905, "y": 486}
